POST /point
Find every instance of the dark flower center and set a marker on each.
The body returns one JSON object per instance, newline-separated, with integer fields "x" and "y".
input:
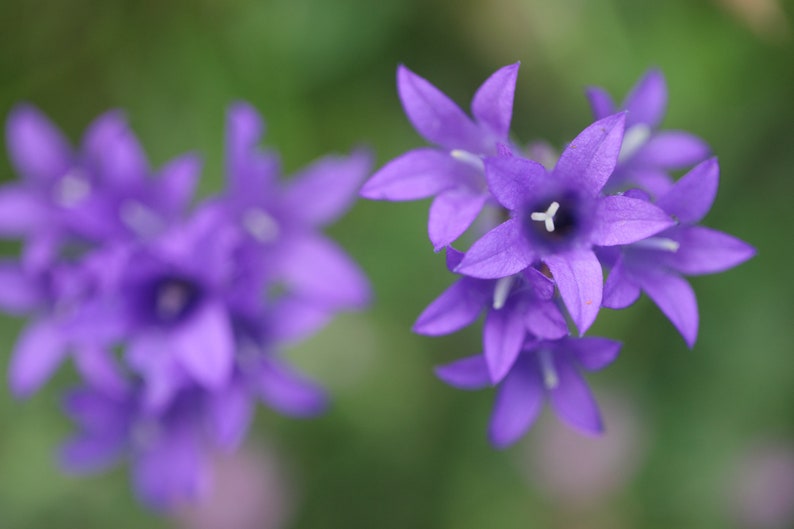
{"x": 557, "y": 221}
{"x": 174, "y": 299}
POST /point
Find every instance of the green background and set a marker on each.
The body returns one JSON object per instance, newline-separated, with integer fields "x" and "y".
{"x": 398, "y": 449}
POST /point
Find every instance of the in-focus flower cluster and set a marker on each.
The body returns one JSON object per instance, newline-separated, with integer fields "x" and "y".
{"x": 549, "y": 228}
{"x": 173, "y": 315}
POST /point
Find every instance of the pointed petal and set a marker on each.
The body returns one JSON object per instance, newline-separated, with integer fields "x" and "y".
{"x": 620, "y": 290}
{"x": 288, "y": 392}
{"x": 37, "y": 354}
{"x": 590, "y": 158}
{"x": 316, "y": 268}
{"x": 205, "y": 346}
{"x": 513, "y": 180}
{"x": 691, "y": 197}
{"x": 94, "y": 452}
{"x": 623, "y": 220}
{"x": 230, "y": 411}
{"x": 295, "y": 319}
{"x": 676, "y": 299}
{"x": 152, "y": 357}
{"x": 600, "y": 102}
{"x": 322, "y": 192}
{"x": 18, "y": 292}
{"x": 572, "y": 400}
{"x": 435, "y": 116}
{"x": 706, "y": 251}
{"x": 114, "y": 152}
{"x": 454, "y": 258}
{"x": 244, "y": 129}
{"x": 542, "y": 287}
{"x": 467, "y": 373}
{"x": 580, "y": 281}
{"x": 420, "y": 173}
{"x": 671, "y": 149}
{"x": 36, "y": 147}
{"x": 457, "y": 307}
{"x": 93, "y": 410}
{"x": 503, "y": 336}
{"x": 177, "y": 182}
{"x": 22, "y": 211}
{"x": 544, "y": 320}
{"x": 451, "y": 214}
{"x": 501, "y": 252}
{"x": 519, "y": 400}
{"x": 647, "y": 101}
{"x": 492, "y": 105}
{"x": 99, "y": 369}
{"x": 593, "y": 353}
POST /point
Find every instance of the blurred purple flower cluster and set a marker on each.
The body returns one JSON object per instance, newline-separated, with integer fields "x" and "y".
{"x": 549, "y": 227}
{"x": 173, "y": 314}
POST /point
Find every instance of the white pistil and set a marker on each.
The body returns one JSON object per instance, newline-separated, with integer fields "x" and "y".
{"x": 72, "y": 188}
{"x": 635, "y": 137}
{"x": 550, "y": 378}
{"x": 260, "y": 225}
{"x": 547, "y": 217}
{"x": 468, "y": 158}
{"x": 658, "y": 243}
{"x": 501, "y": 291}
{"x": 139, "y": 218}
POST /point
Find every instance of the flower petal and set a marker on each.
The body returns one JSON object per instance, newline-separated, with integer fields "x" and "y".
{"x": 691, "y": 197}
{"x": 671, "y": 149}
{"x": 114, "y": 152}
{"x": 501, "y": 252}
{"x": 600, "y": 102}
{"x": 467, "y": 373}
{"x": 624, "y": 220}
{"x": 706, "y": 251}
{"x": 457, "y": 307}
{"x": 572, "y": 400}
{"x": 177, "y": 182}
{"x": 544, "y": 320}
{"x": 288, "y": 392}
{"x": 503, "y": 336}
{"x": 580, "y": 280}
{"x": 327, "y": 188}
{"x": 293, "y": 319}
{"x": 676, "y": 299}
{"x": 435, "y": 116}
{"x": 36, "y": 147}
{"x": 590, "y": 158}
{"x": 492, "y": 105}
{"x": 419, "y": 173}
{"x": 19, "y": 294}
{"x": 451, "y": 214}
{"x": 519, "y": 400}
{"x": 593, "y": 353}
{"x": 619, "y": 290}
{"x": 92, "y": 452}
{"x": 647, "y": 101}
{"x": 22, "y": 211}
{"x": 205, "y": 346}
{"x": 512, "y": 179}
{"x": 37, "y": 354}
{"x": 230, "y": 410}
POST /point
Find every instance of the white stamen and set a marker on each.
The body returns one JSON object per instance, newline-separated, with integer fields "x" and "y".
{"x": 72, "y": 188}
{"x": 139, "y": 218}
{"x": 260, "y": 225}
{"x": 171, "y": 300}
{"x": 469, "y": 158}
{"x": 547, "y": 217}
{"x": 550, "y": 378}
{"x": 501, "y": 291}
{"x": 658, "y": 243}
{"x": 635, "y": 137}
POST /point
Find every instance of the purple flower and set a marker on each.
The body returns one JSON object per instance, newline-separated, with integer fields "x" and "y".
{"x": 517, "y": 307}
{"x": 647, "y": 154}
{"x": 655, "y": 265}
{"x": 557, "y": 218}
{"x": 453, "y": 172}
{"x": 545, "y": 369}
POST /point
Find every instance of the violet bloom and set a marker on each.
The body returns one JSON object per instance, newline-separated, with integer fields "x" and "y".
{"x": 557, "y": 218}
{"x": 452, "y": 172}
{"x": 517, "y": 307}
{"x": 281, "y": 221}
{"x": 647, "y": 154}
{"x": 546, "y": 369}
{"x": 655, "y": 265}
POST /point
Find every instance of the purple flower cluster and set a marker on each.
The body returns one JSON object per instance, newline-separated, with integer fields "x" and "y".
{"x": 173, "y": 315}
{"x": 547, "y": 233}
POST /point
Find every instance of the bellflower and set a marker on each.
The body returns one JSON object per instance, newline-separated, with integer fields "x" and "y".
{"x": 545, "y": 369}
{"x": 517, "y": 307}
{"x": 647, "y": 154}
{"x": 452, "y": 172}
{"x": 558, "y": 216}
{"x": 656, "y": 265}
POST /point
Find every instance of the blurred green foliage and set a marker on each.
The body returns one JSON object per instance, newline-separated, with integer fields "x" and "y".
{"x": 399, "y": 449}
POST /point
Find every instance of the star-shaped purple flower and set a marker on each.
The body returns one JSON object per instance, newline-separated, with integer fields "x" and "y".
{"x": 452, "y": 172}
{"x": 557, "y": 218}
{"x": 546, "y": 369}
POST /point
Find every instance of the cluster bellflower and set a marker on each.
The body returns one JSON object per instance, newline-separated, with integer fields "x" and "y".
{"x": 608, "y": 202}
{"x": 174, "y": 316}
